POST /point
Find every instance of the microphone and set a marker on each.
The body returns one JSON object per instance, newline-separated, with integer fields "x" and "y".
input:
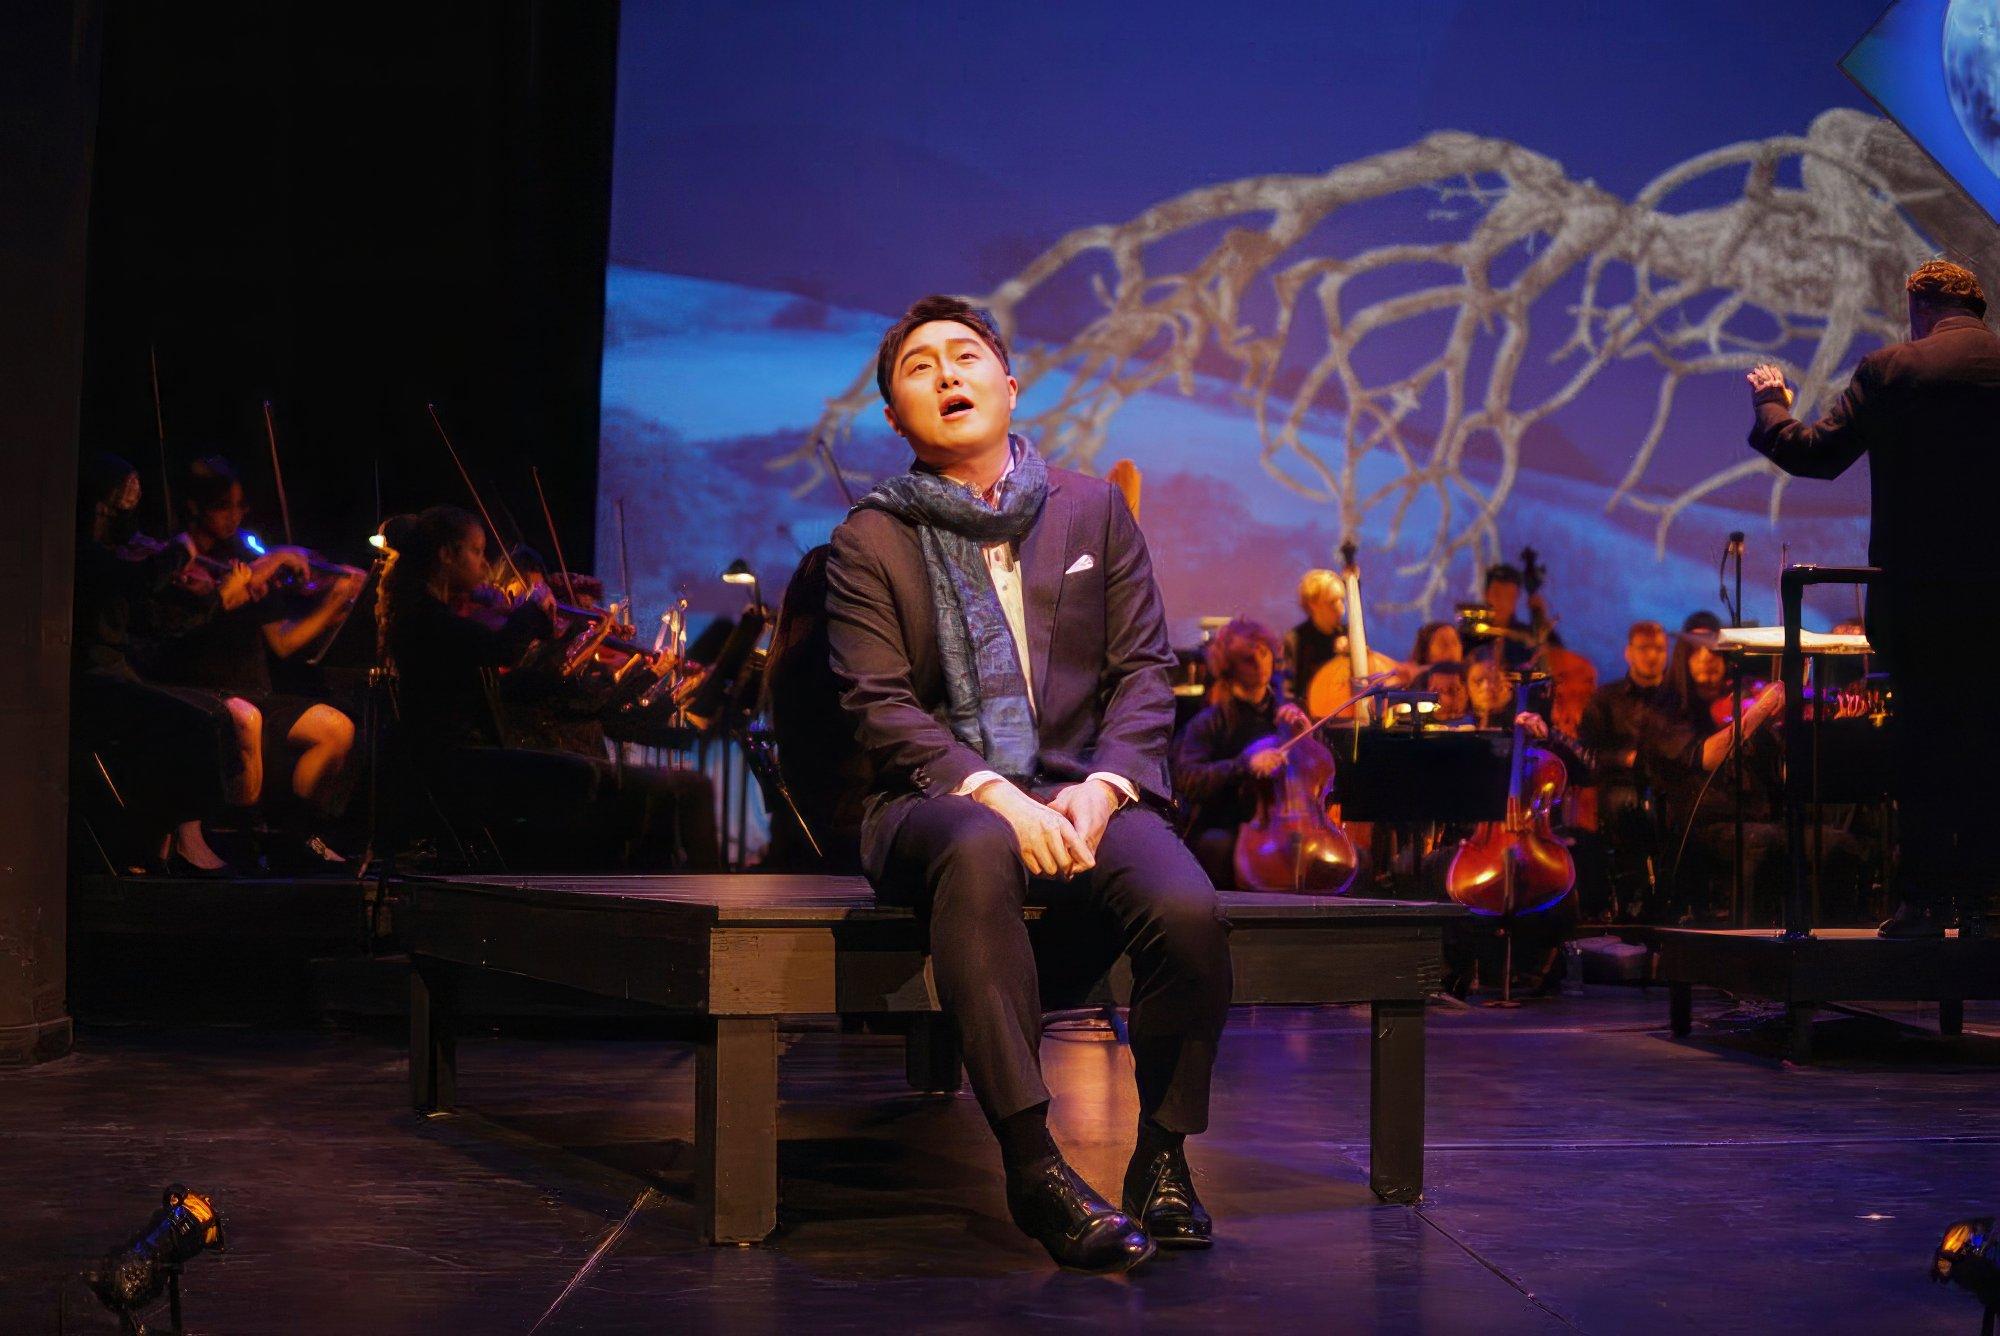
{"x": 1736, "y": 543}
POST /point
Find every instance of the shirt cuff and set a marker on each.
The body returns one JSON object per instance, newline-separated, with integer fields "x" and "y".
{"x": 976, "y": 781}
{"x": 1118, "y": 782}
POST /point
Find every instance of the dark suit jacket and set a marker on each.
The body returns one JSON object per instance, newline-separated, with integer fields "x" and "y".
{"x": 1927, "y": 415}
{"x": 1097, "y": 642}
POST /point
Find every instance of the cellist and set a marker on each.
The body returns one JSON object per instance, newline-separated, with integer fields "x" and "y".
{"x": 1214, "y": 768}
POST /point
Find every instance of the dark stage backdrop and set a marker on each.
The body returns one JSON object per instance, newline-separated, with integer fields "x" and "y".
{"x": 351, "y": 212}
{"x": 1450, "y": 277}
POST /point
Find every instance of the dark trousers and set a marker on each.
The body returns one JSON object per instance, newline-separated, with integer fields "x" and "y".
{"x": 956, "y": 863}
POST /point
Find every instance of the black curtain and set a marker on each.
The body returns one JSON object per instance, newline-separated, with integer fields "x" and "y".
{"x": 351, "y": 212}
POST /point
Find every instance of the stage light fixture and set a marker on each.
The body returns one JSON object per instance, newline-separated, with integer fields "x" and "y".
{"x": 133, "y": 1276}
{"x": 377, "y": 541}
{"x": 252, "y": 541}
{"x": 1969, "y": 1256}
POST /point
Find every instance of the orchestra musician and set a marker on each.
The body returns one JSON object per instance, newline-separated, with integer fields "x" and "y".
{"x": 181, "y": 753}
{"x": 1321, "y": 636}
{"x": 308, "y": 741}
{"x": 1686, "y": 754}
{"x": 1437, "y": 642}
{"x": 1513, "y": 641}
{"x": 443, "y": 637}
{"x": 1614, "y": 723}
{"x": 1002, "y": 649}
{"x": 1924, "y": 413}
{"x": 1214, "y": 770}
{"x": 1447, "y": 677}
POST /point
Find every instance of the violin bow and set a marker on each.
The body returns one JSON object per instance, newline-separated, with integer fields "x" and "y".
{"x": 278, "y": 473}
{"x": 160, "y": 434}
{"x": 562, "y": 563}
{"x": 477, "y": 500}
{"x": 1372, "y": 684}
{"x": 625, "y": 564}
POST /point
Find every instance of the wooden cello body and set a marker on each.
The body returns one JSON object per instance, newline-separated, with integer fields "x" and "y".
{"x": 1292, "y": 844}
{"x": 1518, "y": 866}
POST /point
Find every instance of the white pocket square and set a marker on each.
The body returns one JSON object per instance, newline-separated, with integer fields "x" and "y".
{"x": 1082, "y": 563}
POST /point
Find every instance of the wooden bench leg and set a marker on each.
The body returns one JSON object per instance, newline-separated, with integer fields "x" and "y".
{"x": 1680, "y": 1009}
{"x": 736, "y": 1129}
{"x": 1396, "y": 1101}
{"x": 932, "y": 1060}
{"x": 433, "y": 1043}
{"x": 1951, "y": 1017}
{"x": 1798, "y": 1026}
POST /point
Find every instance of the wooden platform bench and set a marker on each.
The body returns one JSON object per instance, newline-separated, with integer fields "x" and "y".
{"x": 734, "y": 954}
{"x": 1833, "y": 965}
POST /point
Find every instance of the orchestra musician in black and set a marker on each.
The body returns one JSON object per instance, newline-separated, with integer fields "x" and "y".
{"x": 1321, "y": 637}
{"x": 303, "y": 743}
{"x": 1925, "y": 413}
{"x": 174, "y": 754}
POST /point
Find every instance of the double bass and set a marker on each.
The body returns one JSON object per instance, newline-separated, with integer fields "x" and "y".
{"x": 1327, "y": 695}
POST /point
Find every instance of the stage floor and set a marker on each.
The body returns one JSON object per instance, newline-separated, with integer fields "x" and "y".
{"x": 1586, "y": 1172}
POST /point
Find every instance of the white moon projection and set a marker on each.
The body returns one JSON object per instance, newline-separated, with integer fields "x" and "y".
{"x": 1972, "y": 73}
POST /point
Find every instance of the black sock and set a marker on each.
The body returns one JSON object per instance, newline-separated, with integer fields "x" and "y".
{"x": 1153, "y": 1139}
{"x": 1024, "y": 1138}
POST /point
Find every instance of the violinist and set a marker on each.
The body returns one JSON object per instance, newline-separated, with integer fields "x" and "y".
{"x": 1489, "y": 696}
{"x": 1437, "y": 642}
{"x": 1685, "y": 752}
{"x": 307, "y": 740}
{"x": 1322, "y": 636}
{"x": 654, "y": 816}
{"x": 1213, "y": 765}
{"x": 178, "y": 754}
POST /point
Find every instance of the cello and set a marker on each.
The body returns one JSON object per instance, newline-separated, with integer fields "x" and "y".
{"x": 1517, "y": 865}
{"x": 1292, "y": 844}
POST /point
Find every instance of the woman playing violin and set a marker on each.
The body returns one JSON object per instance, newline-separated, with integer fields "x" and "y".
{"x": 306, "y": 739}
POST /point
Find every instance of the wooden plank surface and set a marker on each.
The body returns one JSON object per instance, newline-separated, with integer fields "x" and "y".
{"x": 782, "y": 898}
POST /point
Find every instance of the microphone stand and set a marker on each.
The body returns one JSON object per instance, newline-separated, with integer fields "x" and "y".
{"x": 1738, "y": 901}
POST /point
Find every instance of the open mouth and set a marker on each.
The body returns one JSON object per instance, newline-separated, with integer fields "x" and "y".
{"x": 957, "y": 406}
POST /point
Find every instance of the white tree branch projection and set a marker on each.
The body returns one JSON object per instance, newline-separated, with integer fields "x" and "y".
{"x": 1542, "y": 284}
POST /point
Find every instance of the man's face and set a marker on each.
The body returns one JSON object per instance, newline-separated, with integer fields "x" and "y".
{"x": 1705, "y": 670}
{"x": 1646, "y": 659}
{"x": 1503, "y": 596}
{"x": 949, "y": 396}
{"x": 1249, "y": 666}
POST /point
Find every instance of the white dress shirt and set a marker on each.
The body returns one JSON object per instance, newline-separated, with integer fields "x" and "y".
{"x": 1003, "y": 563}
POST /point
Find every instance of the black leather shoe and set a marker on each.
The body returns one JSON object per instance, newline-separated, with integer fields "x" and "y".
{"x": 1082, "y": 1231}
{"x": 1912, "y": 921}
{"x": 1159, "y": 1194}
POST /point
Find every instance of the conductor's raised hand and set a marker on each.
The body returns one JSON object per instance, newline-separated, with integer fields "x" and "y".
{"x": 1764, "y": 377}
{"x": 1048, "y": 844}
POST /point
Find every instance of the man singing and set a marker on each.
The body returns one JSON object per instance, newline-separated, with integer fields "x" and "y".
{"x": 999, "y": 641}
{"x": 1926, "y": 413}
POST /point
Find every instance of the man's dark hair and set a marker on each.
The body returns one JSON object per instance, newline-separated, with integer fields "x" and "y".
{"x": 1944, "y": 284}
{"x": 937, "y": 307}
{"x": 1646, "y": 629}
{"x": 207, "y": 484}
{"x": 1503, "y": 573}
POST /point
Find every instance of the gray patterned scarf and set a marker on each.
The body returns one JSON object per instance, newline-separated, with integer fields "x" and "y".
{"x": 985, "y": 687}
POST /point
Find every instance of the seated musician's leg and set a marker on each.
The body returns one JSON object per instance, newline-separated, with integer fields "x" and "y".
{"x": 1173, "y": 930}
{"x": 323, "y": 738}
{"x": 672, "y": 819}
{"x": 246, "y": 776}
{"x": 957, "y": 862}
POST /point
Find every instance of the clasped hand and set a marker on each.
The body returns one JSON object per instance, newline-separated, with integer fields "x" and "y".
{"x": 1057, "y": 838}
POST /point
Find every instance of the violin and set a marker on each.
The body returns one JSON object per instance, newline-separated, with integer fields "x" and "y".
{"x": 1292, "y": 844}
{"x": 1517, "y": 866}
{"x": 1867, "y": 702}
